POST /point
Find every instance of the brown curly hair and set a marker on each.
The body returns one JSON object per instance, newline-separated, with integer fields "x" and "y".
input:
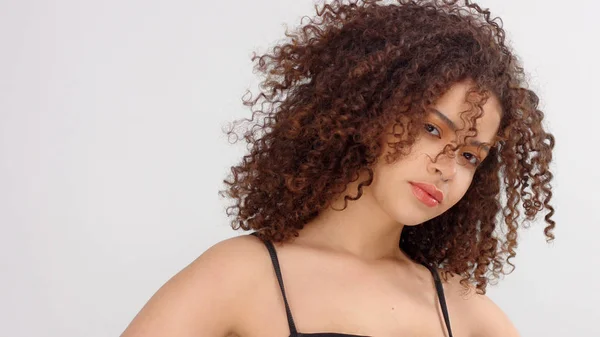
{"x": 331, "y": 90}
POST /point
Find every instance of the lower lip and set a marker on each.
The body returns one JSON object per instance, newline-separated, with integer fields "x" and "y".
{"x": 423, "y": 196}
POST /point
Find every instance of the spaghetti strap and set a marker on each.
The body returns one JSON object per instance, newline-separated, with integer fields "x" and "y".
{"x": 292, "y": 326}
{"x": 440, "y": 294}
{"x": 273, "y": 253}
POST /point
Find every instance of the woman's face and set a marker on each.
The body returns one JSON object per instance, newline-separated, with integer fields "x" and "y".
{"x": 417, "y": 188}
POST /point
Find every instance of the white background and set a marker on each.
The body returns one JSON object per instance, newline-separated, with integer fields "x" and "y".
{"x": 112, "y": 154}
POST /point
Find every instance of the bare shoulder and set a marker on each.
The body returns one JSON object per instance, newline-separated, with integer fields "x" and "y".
{"x": 242, "y": 251}
{"x": 208, "y": 296}
{"x": 487, "y": 317}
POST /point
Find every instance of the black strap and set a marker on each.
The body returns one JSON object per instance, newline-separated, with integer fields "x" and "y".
{"x": 273, "y": 253}
{"x": 271, "y": 248}
{"x": 440, "y": 293}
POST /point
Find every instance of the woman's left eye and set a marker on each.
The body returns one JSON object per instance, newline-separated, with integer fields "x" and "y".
{"x": 432, "y": 130}
{"x": 471, "y": 158}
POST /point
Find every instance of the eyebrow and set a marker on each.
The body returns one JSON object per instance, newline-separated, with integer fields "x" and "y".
{"x": 452, "y": 126}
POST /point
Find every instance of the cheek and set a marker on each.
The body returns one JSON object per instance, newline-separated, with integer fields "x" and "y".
{"x": 460, "y": 186}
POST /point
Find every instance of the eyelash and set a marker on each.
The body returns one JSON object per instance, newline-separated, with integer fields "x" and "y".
{"x": 472, "y": 156}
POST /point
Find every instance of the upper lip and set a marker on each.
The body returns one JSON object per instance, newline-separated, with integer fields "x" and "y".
{"x": 431, "y": 190}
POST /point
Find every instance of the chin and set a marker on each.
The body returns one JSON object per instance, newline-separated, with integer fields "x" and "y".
{"x": 413, "y": 219}
{"x": 416, "y": 217}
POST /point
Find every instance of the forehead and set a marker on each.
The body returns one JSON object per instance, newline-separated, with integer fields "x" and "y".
{"x": 452, "y": 103}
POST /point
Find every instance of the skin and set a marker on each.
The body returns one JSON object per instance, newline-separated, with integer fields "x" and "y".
{"x": 345, "y": 272}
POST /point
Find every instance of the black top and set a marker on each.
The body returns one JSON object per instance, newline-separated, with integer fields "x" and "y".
{"x": 295, "y": 333}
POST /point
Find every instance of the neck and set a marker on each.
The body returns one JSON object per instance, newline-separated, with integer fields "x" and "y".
{"x": 362, "y": 229}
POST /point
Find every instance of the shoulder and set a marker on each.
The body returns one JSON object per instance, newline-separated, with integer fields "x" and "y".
{"x": 207, "y": 296}
{"x": 243, "y": 252}
{"x": 233, "y": 266}
{"x": 487, "y": 318}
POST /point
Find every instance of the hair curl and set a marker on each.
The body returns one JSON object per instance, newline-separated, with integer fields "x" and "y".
{"x": 332, "y": 88}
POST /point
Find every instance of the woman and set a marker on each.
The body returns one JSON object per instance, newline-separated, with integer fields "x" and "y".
{"x": 400, "y": 154}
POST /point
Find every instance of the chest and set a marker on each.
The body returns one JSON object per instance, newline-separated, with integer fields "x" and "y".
{"x": 387, "y": 302}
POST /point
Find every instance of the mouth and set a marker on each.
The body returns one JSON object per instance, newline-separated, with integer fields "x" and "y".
{"x": 427, "y": 193}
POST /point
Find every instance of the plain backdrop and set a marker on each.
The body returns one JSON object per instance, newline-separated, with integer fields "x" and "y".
{"x": 112, "y": 154}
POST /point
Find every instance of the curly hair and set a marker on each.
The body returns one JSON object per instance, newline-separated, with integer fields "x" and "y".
{"x": 328, "y": 94}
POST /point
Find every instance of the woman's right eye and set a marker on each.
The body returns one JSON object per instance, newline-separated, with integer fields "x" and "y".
{"x": 432, "y": 130}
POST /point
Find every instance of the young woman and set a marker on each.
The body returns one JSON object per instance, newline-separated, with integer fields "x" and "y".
{"x": 399, "y": 154}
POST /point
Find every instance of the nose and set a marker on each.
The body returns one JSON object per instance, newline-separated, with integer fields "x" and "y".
{"x": 445, "y": 166}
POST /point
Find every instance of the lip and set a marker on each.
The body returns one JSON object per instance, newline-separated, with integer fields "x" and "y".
{"x": 430, "y": 189}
